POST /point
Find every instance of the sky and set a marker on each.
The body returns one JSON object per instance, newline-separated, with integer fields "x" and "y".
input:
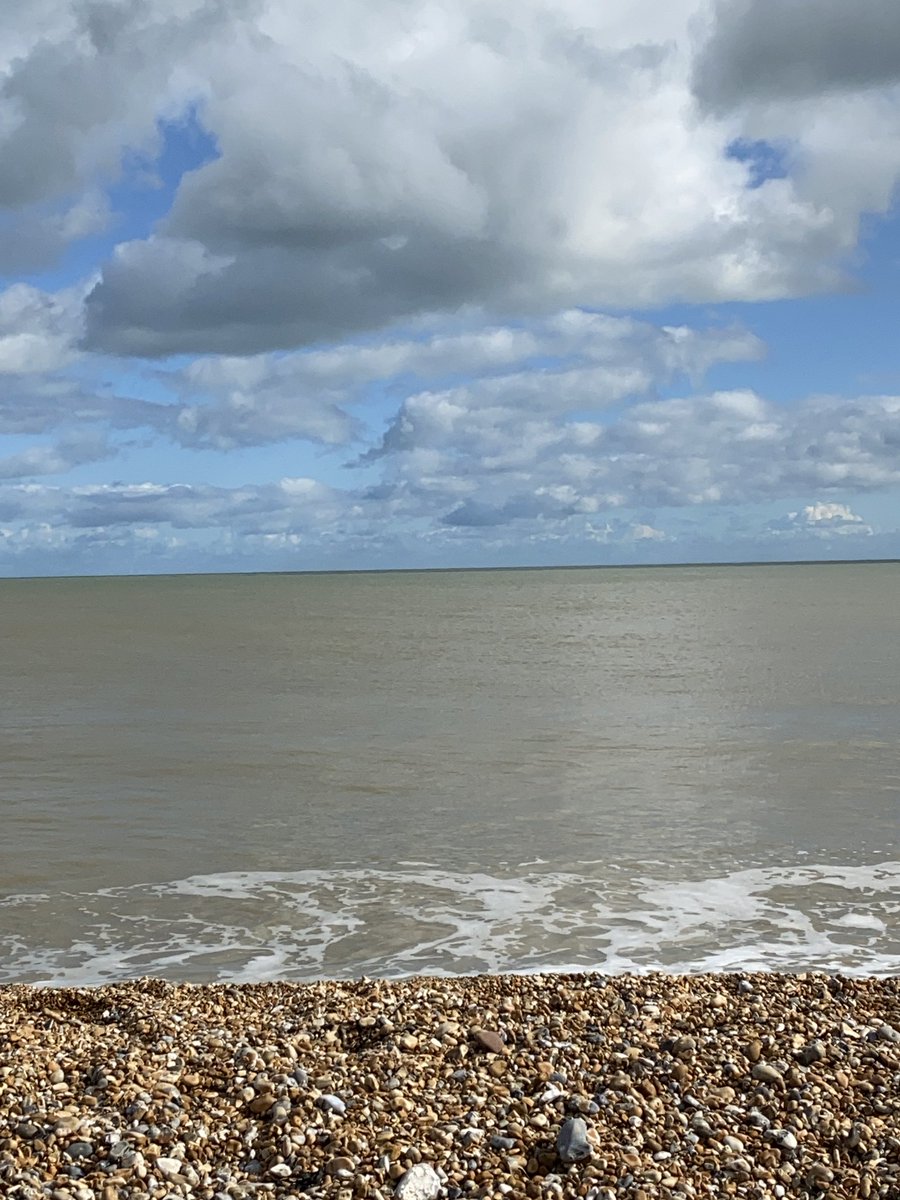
{"x": 292, "y": 286}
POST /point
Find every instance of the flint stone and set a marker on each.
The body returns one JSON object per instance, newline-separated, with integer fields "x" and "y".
{"x": 814, "y": 1052}
{"x": 784, "y": 1139}
{"x": 488, "y": 1040}
{"x": 80, "y": 1149}
{"x": 572, "y": 1144}
{"x": 503, "y": 1143}
{"x": 333, "y": 1104}
{"x": 766, "y": 1073}
{"x": 421, "y": 1182}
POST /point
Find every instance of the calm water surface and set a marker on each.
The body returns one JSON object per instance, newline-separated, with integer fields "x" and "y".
{"x": 296, "y": 776}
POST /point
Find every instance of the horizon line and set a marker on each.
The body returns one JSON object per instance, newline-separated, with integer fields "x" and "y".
{"x": 575, "y": 566}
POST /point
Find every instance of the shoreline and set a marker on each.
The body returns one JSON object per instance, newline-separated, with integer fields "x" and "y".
{"x": 584, "y": 1085}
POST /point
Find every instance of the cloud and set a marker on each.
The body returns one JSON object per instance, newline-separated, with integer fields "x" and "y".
{"x": 823, "y": 520}
{"x": 442, "y": 156}
{"x": 56, "y": 459}
{"x": 772, "y": 50}
{"x": 571, "y": 360}
{"x": 462, "y": 462}
{"x": 644, "y": 533}
{"x": 36, "y": 238}
{"x": 38, "y": 330}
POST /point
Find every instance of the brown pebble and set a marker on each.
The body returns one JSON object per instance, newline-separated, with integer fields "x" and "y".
{"x": 488, "y": 1040}
{"x": 753, "y": 1050}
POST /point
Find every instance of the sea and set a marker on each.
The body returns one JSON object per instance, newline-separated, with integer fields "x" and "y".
{"x": 305, "y": 776}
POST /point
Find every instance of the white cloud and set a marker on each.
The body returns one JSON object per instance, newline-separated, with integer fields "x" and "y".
{"x": 644, "y": 533}
{"x": 823, "y": 520}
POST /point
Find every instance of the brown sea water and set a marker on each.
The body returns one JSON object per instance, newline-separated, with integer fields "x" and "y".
{"x": 304, "y": 775}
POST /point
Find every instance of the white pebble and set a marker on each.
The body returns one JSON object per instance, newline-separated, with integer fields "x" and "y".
{"x": 421, "y": 1182}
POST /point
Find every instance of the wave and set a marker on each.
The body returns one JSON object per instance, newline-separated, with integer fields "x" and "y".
{"x": 420, "y": 919}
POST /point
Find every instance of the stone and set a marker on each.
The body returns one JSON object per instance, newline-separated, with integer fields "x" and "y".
{"x": 684, "y": 1047}
{"x": 503, "y": 1143}
{"x": 814, "y": 1052}
{"x": 572, "y": 1143}
{"x": 765, "y": 1073}
{"x": 784, "y": 1139}
{"x": 420, "y": 1182}
{"x": 819, "y": 1176}
{"x": 332, "y": 1103}
{"x": 168, "y": 1167}
{"x": 488, "y": 1040}
{"x": 80, "y": 1149}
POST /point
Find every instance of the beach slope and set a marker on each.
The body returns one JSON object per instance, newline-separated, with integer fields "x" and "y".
{"x": 754, "y": 1085}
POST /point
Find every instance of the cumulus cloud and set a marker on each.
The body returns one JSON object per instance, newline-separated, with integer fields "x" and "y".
{"x": 375, "y": 163}
{"x": 823, "y": 520}
{"x": 395, "y": 247}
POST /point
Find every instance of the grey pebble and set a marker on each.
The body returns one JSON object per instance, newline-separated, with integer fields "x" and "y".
{"x": 572, "y": 1144}
{"x": 80, "y": 1149}
{"x": 814, "y": 1052}
{"x": 332, "y": 1103}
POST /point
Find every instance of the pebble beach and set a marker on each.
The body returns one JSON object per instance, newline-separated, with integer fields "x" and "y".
{"x": 756, "y": 1085}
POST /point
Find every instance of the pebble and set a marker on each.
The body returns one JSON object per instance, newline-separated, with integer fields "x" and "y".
{"x": 168, "y": 1166}
{"x": 462, "y": 1087}
{"x": 814, "y": 1052}
{"x": 784, "y": 1139}
{"x": 488, "y": 1040}
{"x": 80, "y": 1149}
{"x": 572, "y": 1143}
{"x": 765, "y": 1073}
{"x": 420, "y": 1182}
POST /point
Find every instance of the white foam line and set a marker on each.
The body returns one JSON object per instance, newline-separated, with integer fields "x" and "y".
{"x": 426, "y": 919}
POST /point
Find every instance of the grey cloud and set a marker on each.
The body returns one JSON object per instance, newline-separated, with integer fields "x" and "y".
{"x": 90, "y": 80}
{"x": 31, "y": 404}
{"x": 38, "y": 330}
{"x": 378, "y": 163}
{"x": 764, "y": 50}
{"x": 594, "y": 361}
{"x": 253, "y": 509}
{"x": 35, "y": 239}
{"x": 56, "y": 459}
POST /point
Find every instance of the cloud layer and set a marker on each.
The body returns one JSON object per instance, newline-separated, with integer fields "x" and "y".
{"x": 579, "y": 429}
